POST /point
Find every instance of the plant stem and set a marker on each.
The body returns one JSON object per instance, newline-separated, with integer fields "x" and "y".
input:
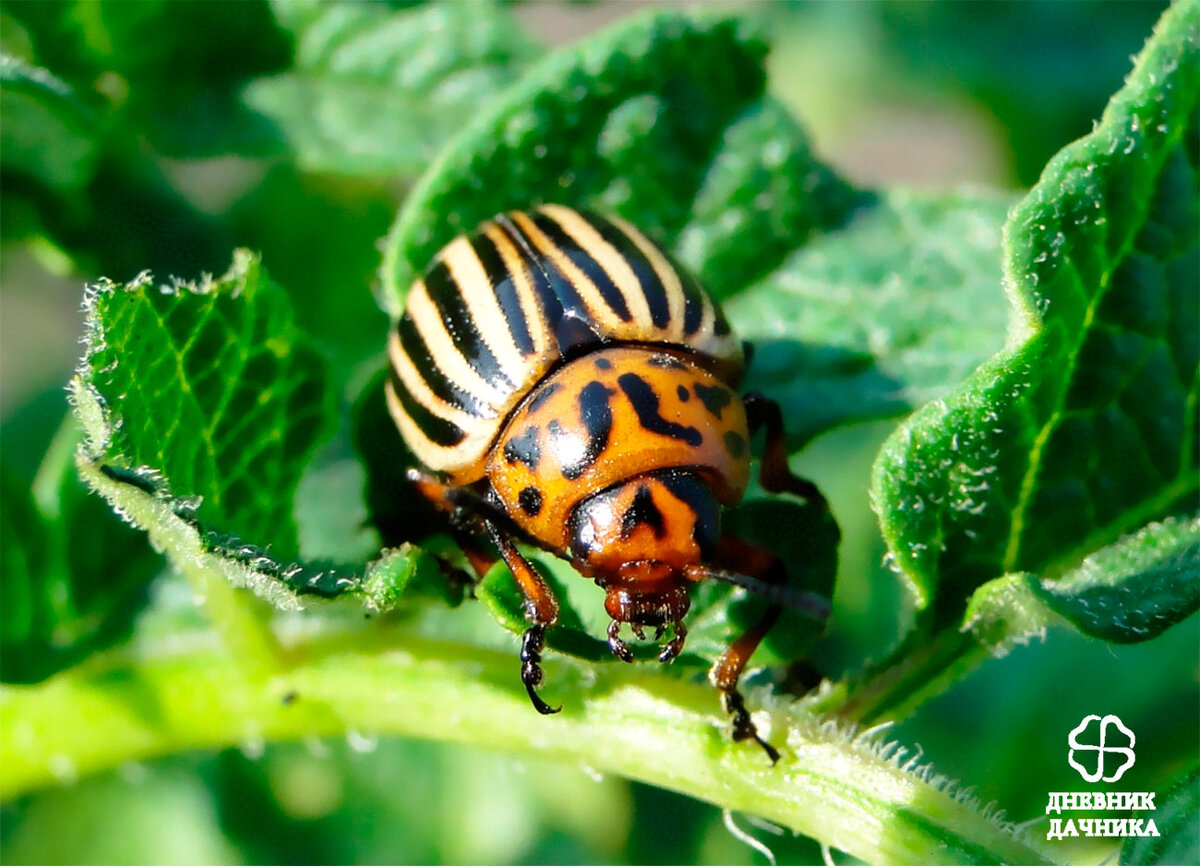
{"x": 633, "y": 721}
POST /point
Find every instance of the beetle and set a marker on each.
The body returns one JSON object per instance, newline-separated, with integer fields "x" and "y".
{"x": 564, "y": 384}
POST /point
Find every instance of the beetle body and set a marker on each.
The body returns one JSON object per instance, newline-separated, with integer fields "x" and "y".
{"x": 571, "y": 388}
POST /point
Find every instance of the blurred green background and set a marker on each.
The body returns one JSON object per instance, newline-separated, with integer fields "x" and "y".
{"x": 179, "y": 172}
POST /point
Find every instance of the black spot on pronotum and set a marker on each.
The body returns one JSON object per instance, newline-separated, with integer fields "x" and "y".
{"x": 715, "y": 399}
{"x": 645, "y": 404}
{"x": 603, "y": 364}
{"x": 289, "y": 697}
{"x": 596, "y": 416}
{"x": 642, "y": 510}
{"x": 524, "y": 448}
{"x": 530, "y": 500}
{"x": 543, "y": 395}
{"x": 683, "y": 393}
{"x": 735, "y": 444}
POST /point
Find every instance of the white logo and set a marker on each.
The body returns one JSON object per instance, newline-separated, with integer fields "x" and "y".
{"x": 1111, "y": 743}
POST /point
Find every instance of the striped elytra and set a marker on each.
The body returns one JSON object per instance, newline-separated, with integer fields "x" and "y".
{"x": 573, "y": 390}
{"x": 502, "y": 307}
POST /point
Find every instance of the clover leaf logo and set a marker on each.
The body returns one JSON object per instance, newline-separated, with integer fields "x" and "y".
{"x": 1122, "y": 737}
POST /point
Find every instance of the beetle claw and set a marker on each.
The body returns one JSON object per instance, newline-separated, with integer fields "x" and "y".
{"x": 618, "y": 647}
{"x": 531, "y": 668}
{"x": 675, "y": 645}
{"x": 743, "y": 726}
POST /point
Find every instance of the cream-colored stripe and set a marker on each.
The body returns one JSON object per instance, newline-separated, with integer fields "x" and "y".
{"x": 464, "y": 461}
{"x": 476, "y": 289}
{"x": 420, "y": 391}
{"x": 665, "y": 273}
{"x": 432, "y": 455}
{"x": 433, "y": 331}
{"x": 531, "y": 309}
{"x": 599, "y": 310}
{"x": 609, "y": 259}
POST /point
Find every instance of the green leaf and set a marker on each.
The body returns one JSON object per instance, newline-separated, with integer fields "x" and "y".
{"x": 879, "y": 315}
{"x": 27, "y": 616}
{"x": 660, "y": 119}
{"x": 377, "y": 91}
{"x": 1177, "y": 819}
{"x": 210, "y": 385}
{"x": 49, "y": 133}
{"x": 1085, "y": 428}
{"x": 169, "y": 70}
{"x": 1127, "y": 592}
{"x": 72, "y": 576}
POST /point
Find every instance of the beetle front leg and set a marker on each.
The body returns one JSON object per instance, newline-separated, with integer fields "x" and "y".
{"x": 541, "y": 609}
{"x": 758, "y": 562}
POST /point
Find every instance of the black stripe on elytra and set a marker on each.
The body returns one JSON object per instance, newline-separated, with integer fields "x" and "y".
{"x": 501, "y": 280}
{"x": 524, "y": 448}
{"x": 714, "y": 398}
{"x": 645, "y": 404}
{"x": 720, "y": 323}
{"x": 550, "y": 301}
{"x": 652, "y": 288}
{"x": 693, "y": 303}
{"x": 583, "y": 260}
{"x": 447, "y": 297}
{"x": 642, "y": 511}
{"x": 596, "y": 416}
{"x": 427, "y": 367}
{"x": 436, "y": 429}
{"x": 565, "y": 311}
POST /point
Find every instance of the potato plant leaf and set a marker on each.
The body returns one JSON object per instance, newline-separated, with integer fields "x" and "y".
{"x": 1127, "y": 592}
{"x": 880, "y": 315}
{"x": 661, "y": 119}
{"x": 210, "y": 387}
{"x": 49, "y": 133}
{"x": 1084, "y": 429}
{"x": 1177, "y": 819}
{"x": 172, "y": 71}
{"x": 72, "y": 576}
{"x": 375, "y": 90}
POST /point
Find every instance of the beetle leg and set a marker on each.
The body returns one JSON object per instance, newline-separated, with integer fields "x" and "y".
{"x": 468, "y": 509}
{"x": 618, "y": 646}
{"x": 675, "y": 644}
{"x": 541, "y": 609}
{"x": 774, "y": 473}
{"x": 757, "y": 562}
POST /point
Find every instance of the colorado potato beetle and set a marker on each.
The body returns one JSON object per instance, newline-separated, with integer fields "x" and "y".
{"x": 565, "y": 385}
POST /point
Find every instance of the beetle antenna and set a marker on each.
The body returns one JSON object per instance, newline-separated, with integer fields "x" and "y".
{"x": 809, "y": 603}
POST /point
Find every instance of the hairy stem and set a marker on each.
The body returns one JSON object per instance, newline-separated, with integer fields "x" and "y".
{"x": 632, "y": 721}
